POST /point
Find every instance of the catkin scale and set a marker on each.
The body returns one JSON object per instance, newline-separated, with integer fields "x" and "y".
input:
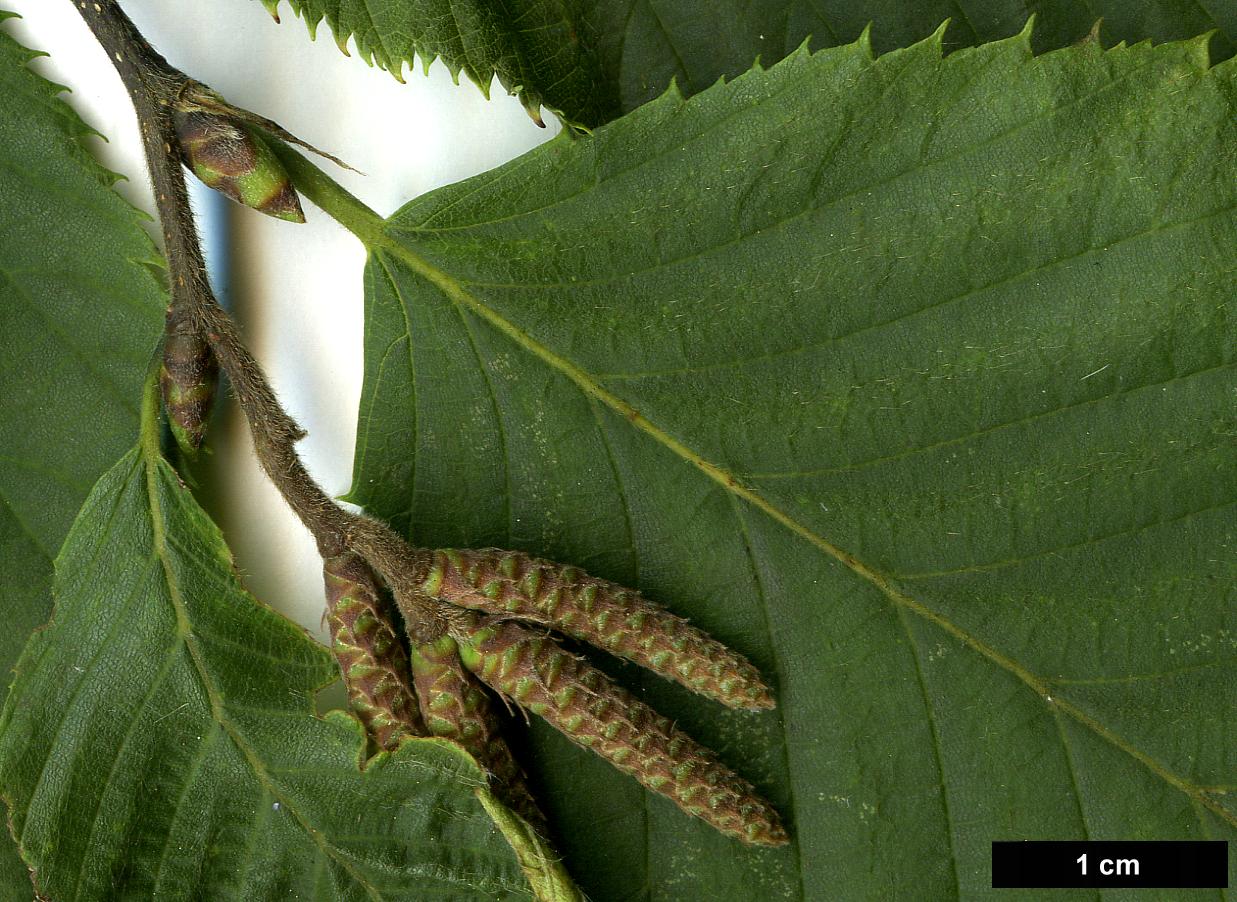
{"x": 593, "y": 711}
{"x": 602, "y": 613}
{"x": 370, "y": 654}
{"x": 234, "y": 159}
{"x": 455, "y": 706}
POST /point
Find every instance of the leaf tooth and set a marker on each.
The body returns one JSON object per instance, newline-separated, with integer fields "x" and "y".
{"x": 601, "y": 715}
{"x": 372, "y": 659}
{"x": 600, "y": 612}
{"x": 341, "y": 41}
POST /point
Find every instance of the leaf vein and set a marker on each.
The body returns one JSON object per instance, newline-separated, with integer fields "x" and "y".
{"x": 778, "y": 668}
{"x": 117, "y": 761}
{"x": 1094, "y": 540}
{"x": 989, "y": 430}
{"x": 938, "y": 761}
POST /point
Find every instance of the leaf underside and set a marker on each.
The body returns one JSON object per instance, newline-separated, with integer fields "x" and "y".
{"x": 643, "y": 45}
{"x": 160, "y": 737}
{"x": 911, "y": 379}
{"x": 80, "y": 310}
{"x": 594, "y": 60}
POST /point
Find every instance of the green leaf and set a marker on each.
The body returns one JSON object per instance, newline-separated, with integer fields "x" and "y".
{"x": 80, "y": 311}
{"x": 159, "y": 740}
{"x": 644, "y": 45}
{"x": 596, "y": 59}
{"x": 534, "y": 47}
{"x": 909, "y": 378}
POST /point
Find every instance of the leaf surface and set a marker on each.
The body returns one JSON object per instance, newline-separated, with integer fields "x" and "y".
{"x": 80, "y": 310}
{"x": 160, "y": 739}
{"x": 596, "y": 59}
{"x": 643, "y": 44}
{"x": 910, "y": 378}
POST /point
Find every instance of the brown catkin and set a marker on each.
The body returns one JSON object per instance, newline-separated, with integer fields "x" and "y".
{"x": 456, "y": 707}
{"x": 604, "y": 614}
{"x": 370, "y": 654}
{"x": 590, "y": 709}
{"x": 188, "y": 376}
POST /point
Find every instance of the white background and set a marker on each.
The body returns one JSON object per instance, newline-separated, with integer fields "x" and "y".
{"x": 295, "y": 288}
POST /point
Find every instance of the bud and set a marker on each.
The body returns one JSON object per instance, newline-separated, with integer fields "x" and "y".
{"x": 455, "y": 707}
{"x": 232, "y": 157}
{"x": 187, "y": 379}
{"x": 601, "y": 613}
{"x": 591, "y": 710}
{"x": 371, "y": 657}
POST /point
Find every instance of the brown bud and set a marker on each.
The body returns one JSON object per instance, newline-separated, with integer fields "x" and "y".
{"x": 601, "y": 613}
{"x": 370, "y": 654}
{"x": 456, "y": 707}
{"x": 593, "y": 711}
{"x": 232, "y": 157}
{"x": 187, "y": 379}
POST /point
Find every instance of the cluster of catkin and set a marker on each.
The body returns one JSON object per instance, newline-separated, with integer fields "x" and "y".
{"x": 504, "y": 605}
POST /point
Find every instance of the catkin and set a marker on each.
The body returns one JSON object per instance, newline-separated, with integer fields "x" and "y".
{"x": 602, "y": 613}
{"x": 455, "y": 706}
{"x": 370, "y": 654}
{"x": 581, "y": 702}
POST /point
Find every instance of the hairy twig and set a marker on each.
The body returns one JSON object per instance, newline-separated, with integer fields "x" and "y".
{"x": 433, "y": 590}
{"x": 154, "y": 87}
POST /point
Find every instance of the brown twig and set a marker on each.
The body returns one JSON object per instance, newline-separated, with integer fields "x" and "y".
{"x": 499, "y": 651}
{"x": 154, "y": 86}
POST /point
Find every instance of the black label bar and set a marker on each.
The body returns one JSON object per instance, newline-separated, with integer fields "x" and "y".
{"x": 1063, "y": 865}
